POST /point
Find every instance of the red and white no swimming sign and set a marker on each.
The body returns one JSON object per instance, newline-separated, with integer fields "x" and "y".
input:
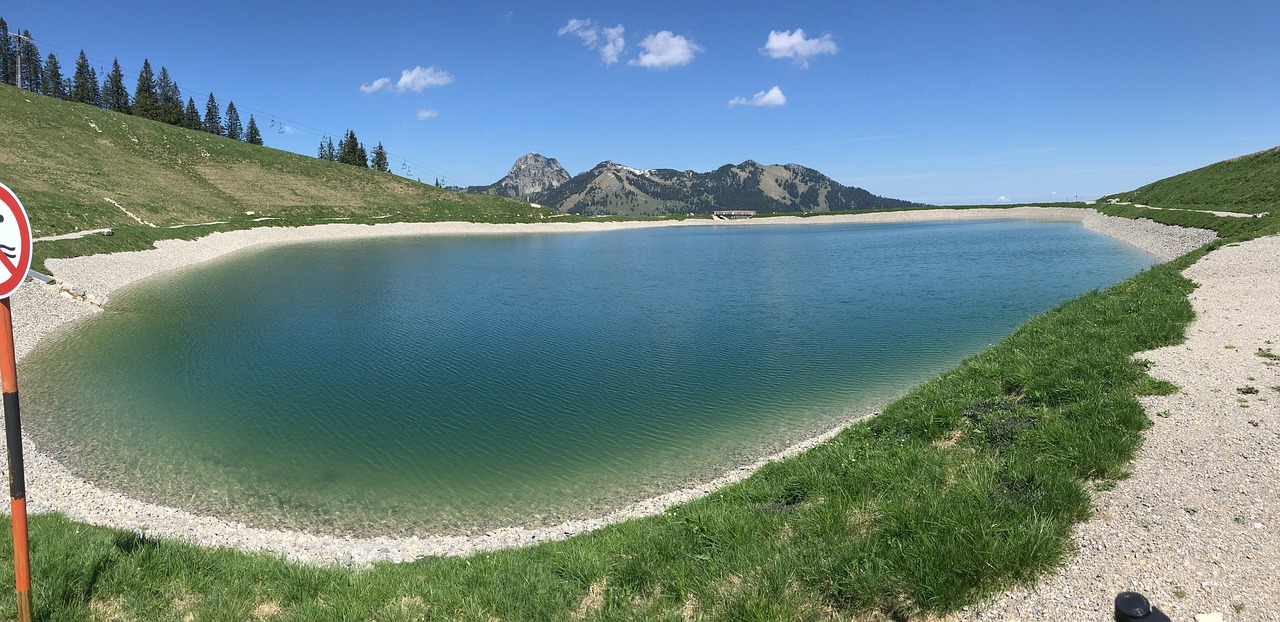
{"x": 15, "y": 242}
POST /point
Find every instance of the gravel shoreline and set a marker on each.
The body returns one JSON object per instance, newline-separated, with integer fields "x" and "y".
{"x": 1195, "y": 527}
{"x": 39, "y": 310}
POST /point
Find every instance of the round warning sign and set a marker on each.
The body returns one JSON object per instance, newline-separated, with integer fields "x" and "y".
{"x": 15, "y": 242}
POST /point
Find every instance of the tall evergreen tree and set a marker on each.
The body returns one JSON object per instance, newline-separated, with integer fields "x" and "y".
{"x": 191, "y": 118}
{"x": 84, "y": 83}
{"x": 31, "y": 64}
{"x": 146, "y": 103}
{"x": 380, "y": 162}
{"x": 170, "y": 98}
{"x": 362, "y": 156}
{"x": 212, "y": 117}
{"x": 251, "y": 133}
{"x": 349, "y": 150}
{"x": 7, "y": 52}
{"x": 79, "y": 77}
{"x": 235, "y": 130}
{"x": 115, "y": 95}
{"x": 54, "y": 83}
{"x": 326, "y": 151}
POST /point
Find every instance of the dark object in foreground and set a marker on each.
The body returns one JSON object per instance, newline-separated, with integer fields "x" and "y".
{"x": 1132, "y": 606}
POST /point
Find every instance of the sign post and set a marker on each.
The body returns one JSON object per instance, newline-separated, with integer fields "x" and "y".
{"x": 15, "y": 260}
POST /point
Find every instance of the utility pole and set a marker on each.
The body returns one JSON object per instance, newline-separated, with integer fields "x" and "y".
{"x": 18, "y": 53}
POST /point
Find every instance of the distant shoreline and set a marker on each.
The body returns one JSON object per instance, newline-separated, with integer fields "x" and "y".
{"x": 39, "y": 310}
{"x": 99, "y": 275}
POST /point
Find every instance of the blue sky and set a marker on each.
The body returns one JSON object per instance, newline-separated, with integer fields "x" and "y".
{"x": 939, "y": 102}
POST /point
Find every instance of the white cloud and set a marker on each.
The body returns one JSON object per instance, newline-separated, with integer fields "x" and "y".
{"x": 1002, "y": 199}
{"x": 608, "y": 41}
{"x": 665, "y": 49}
{"x": 378, "y": 85}
{"x": 427, "y": 113}
{"x": 419, "y": 79}
{"x": 416, "y": 80}
{"x": 614, "y": 44}
{"x": 771, "y": 98}
{"x": 584, "y": 29}
{"x": 795, "y": 45}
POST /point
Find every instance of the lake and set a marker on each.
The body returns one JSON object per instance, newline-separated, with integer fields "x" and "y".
{"x": 456, "y": 383}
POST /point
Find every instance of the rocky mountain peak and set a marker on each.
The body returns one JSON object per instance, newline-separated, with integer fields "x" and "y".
{"x": 532, "y": 173}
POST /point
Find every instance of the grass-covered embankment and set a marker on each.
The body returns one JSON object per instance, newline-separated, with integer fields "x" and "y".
{"x": 967, "y": 484}
{"x": 1249, "y": 184}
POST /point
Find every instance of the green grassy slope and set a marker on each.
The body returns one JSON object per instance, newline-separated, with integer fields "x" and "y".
{"x": 1249, "y": 184}
{"x": 65, "y": 160}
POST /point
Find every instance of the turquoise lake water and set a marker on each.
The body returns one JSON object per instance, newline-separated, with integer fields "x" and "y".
{"x": 449, "y": 384}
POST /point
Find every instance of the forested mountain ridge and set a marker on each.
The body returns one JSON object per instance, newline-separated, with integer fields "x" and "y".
{"x": 611, "y": 188}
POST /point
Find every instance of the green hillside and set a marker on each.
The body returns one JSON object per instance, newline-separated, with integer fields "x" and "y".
{"x": 77, "y": 167}
{"x": 1249, "y": 184}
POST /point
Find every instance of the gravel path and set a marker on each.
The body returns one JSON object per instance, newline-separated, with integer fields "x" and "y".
{"x": 39, "y": 310}
{"x": 1196, "y": 526}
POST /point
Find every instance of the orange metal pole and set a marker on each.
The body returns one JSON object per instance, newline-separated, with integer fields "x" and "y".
{"x": 17, "y": 475}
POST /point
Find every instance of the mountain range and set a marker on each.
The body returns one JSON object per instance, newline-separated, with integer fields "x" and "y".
{"x": 611, "y": 188}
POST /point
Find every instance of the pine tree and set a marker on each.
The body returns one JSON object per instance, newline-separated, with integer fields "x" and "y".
{"x": 7, "y": 52}
{"x": 362, "y": 156}
{"x": 380, "y": 162}
{"x": 170, "y": 98}
{"x": 32, "y": 66}
{"x": 95, "y": 93}
{"x": 172, "y": 105}
{"x": 146, "y": 103}
{"x": 54, "y": 83}
{"x": 349, "y": 150}
{"x": 327, "y": 152}
{"x": 115, "y": 96}
{"x": 251, "y": 134}
{"x": 212, "y": 118}
{"x": 235, "y": 131}
{"x": 191, "y": 118}
{"x": 84, "y": 83}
